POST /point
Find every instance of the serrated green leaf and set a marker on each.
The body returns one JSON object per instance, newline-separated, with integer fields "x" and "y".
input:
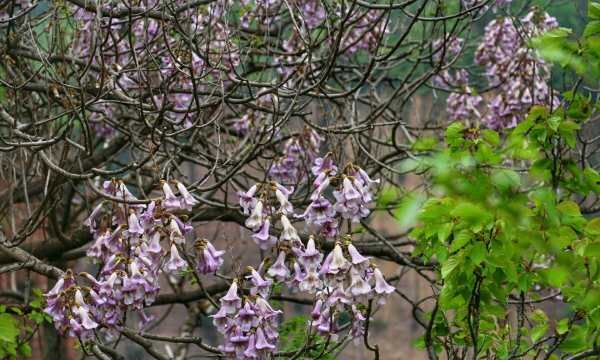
{"x": 449, "y": 266}
{"x": 461, "y": 239}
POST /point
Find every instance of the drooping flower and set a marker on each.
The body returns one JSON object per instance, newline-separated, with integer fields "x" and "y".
{"x": 231, "y": 302}
{"x": 133, "y": 223}
{"x": 187, "y": 201}
{"x": 289, "y": 233}
{"x": 358, "y": 260}
{"x": 311, "y": 257}
{"x": 247, "y": 199}
{"x": 171, "y": 201}
{"x": 209, "y": 259}
{"x": 256, "y": 219}
{"x": 259, "y": 284}
{"x": 263, "y": 237}
{"x": 279, "y": 270}
{"x": 382, "y": 288}
{"x": 175, "y": 261}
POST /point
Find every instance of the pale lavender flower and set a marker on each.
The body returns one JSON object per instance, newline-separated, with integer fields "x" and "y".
{"x": 279, "y": 270}
{"x": 231, "y": 302}
{"x": 175, "y": 261}
{"x": 187, "y": 201}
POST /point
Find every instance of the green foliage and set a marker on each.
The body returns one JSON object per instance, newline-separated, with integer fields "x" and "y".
{"x": 501, "y": 223}
{"x": 293, "y": 335}
{"x": 581, "y": 55}
{"x": 16, "y": 329}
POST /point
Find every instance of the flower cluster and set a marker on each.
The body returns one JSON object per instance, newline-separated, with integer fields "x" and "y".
{"x": 520, "y": 75}
{"x": 353, "y": 193}
{"x": 69, "y": 309}
{"x": 297, "y": 151}
{"x": 344, "y": 282}
{"x": 249, "y": 325}
{"x": 517, "y": 74}
{"x": 127, "y": 246}
{"x": 264, "y": 202}
{"x": 350, "y": 279}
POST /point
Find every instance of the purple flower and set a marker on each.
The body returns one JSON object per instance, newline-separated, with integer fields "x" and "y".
{"x": 262, "y": 345}
{"x": 324, "y": 165}
{"x": 311, "y": 281}
{"x": 208, "y": 259}
{"x": 263, "y": 238}
{"x": 247, "y": 317}
{"x": 91, "y": 220}
{"x": 187, "y": 201}
{"x": 351, "y": 203}
{"x": 171, "y": 201}
{"x": 359, "y": 261}
{"x": 359, "y": 287}
{"x": 247, "y": 200}
{"x": 382, "y": 288}
{"x": 319, "y": 212}
{"x": 259, "y": 285}
{"x": 282, "y": 194}
{"x": 289, "y": 233}
{"x": 335, "y": 263}
{"x": 175, "y": 261}
{"x": 321, "y": 183}
{"x": 133, "y": 224}
{"x": 311, "y": 257}
{"x": 256, "y": 219}
{"x": 175, "y": 234}
{"x": 231, "y": 302}
{"x": 221, "y": 320}
{"x": 279, "y": 270}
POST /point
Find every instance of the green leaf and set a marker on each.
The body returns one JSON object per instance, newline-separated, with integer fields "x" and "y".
{"x": 478, "y": 253}
{"x": 554, "y": 122}
{"x": 387, "y": 195}
{"x": 557, "y": 275}
{"x": 593, "y": 250}
{"x": 449, "y": 266}
{"x": 460, "y": 239}
{"x": 562, "y": 326}
{"x": 575, "y": 341}
{"x": 454, "y": 134}
{"x": 471, "y": 213}
{"x": 491, "y": 137}
{"x": 24, "y": 350}
{"x": 593, "y": 227}
{"x": 594, "y": 11}
{"x": 506, "y": 179}
{"x": 444, "y": 232}
{"x": 538, "y": 331}
{"x": 8, "y": 329}
{"x": 408, "y": 209}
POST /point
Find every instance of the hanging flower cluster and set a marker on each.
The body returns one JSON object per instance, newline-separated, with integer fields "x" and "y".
{"x": 350, "y": 279}
{"x": 297, "y": 151}
{"x": 70, "y": 311}
{"x": 519, "y": 73}
{"x": 518, "y": 76}
{"x": 265, "y": 202}
{"x": 344, "y": 282}
{"x": 353, "y": 192}
{"x": 249, "y": 325}
{"x": 127, "y": 246}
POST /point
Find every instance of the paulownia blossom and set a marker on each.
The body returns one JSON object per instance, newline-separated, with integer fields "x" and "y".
{"x": 127, "y": 247}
